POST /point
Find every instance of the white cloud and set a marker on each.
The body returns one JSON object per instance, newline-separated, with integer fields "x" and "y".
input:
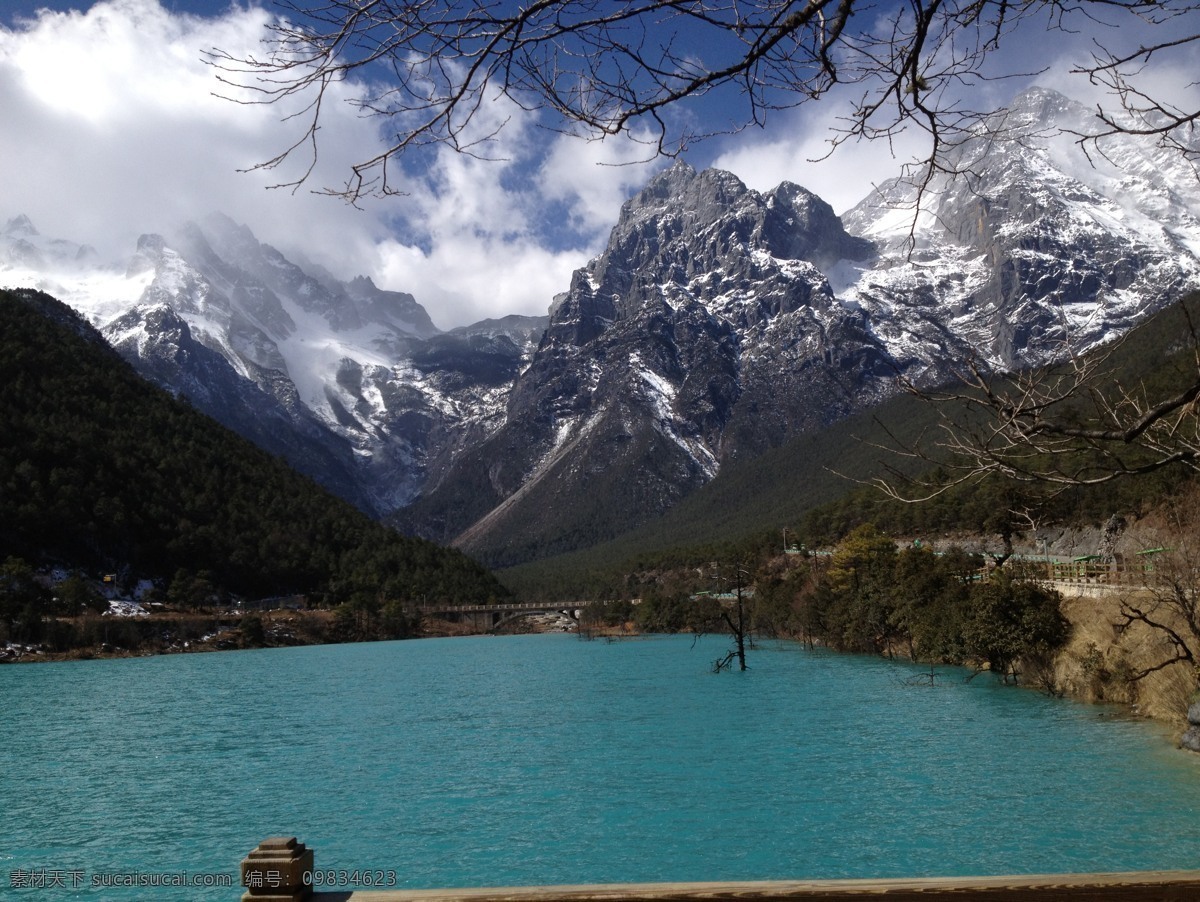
{"x": 482, "y": 257}
{"x": 797, "y": 149}
{"x": 465, "y": 280}
{"x": 796, "y": 145}
{"x": 503, "y": 234}
{"x": 595, "y": 177}
{"x": 113, "y": 128}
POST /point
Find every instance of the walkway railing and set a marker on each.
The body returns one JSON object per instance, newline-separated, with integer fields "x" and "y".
{"x": 281, "y": 870}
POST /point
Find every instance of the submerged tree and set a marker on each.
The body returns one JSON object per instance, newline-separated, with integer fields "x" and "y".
{"x": 734, "y": 617}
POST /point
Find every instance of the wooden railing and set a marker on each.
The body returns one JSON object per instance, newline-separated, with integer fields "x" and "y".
{"x": 281, "y": 870}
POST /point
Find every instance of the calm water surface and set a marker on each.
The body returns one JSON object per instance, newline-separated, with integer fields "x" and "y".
{"x": 544, "y": 759}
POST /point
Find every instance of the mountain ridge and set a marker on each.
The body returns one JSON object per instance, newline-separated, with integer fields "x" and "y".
{"x": 719, "y": 322}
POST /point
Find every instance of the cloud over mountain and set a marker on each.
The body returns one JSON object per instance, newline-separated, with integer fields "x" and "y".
{"x": 115, "y": 124}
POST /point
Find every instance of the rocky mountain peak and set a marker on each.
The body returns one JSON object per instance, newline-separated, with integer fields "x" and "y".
{"x": 20, "y": 226}
{"x": 799, "y": 225}
{"x": 706, "y": 329}
{"x": 23, "y": 246}
{"x": 1037, "y": 108}
{"x": 152, "y": 245}
{"x": 148, "y": 256}
{"x": 1034, "y": 249}
{"x": 232, "y": 240}
{"x": 704, "y": 236}
{"x": 396, "y": 310}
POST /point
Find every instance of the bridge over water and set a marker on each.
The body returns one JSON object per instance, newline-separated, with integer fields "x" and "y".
{"x": 490, "y": 616}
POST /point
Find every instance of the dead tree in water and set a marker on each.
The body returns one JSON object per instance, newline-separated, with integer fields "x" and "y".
{"x": 737, "y": 627}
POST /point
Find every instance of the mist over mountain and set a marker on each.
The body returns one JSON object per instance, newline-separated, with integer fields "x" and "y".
{"x": 718, "y": 322}
{"x": 346, "y": 381}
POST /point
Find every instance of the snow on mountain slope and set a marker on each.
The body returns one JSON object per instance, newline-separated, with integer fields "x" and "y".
{"x": 1037, "y": 249}
{"x": 69, "y": 271}
{"x": 717, "y": 323}
{"x": 720, "y": 321}
{"x": 353, "y": 384}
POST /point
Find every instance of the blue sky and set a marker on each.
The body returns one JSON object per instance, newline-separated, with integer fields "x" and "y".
{"x": 14, "y": 9}
{"x": 112, "y": 129}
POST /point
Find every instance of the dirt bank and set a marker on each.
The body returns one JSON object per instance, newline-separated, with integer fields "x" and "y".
{"x": 1100, "y": 659}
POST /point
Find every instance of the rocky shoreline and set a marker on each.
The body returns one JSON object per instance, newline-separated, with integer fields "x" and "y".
{"x": 1191, "y": 737}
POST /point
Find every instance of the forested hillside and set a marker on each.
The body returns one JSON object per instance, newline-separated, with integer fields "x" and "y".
{"x": 98, "y": 469}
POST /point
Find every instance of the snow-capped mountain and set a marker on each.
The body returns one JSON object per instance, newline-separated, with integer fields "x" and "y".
{"x": 721, "y": 321}
{"x": 718, "y": 322}
{"x": 705, "y": 330}
{"x": 352, "y": 384}
{"x": 1040, "y": 246}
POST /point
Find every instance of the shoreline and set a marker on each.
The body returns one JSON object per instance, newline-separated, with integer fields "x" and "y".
{"x": 205, "y": 633}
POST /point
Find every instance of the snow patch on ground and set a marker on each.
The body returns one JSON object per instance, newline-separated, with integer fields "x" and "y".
{"x": 121, "y": 608}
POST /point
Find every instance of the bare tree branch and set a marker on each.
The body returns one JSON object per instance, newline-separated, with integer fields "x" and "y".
{"x": 1168, "y": 603}
{"x": 428, "y": 69}
{"x": 1072, "y": 423}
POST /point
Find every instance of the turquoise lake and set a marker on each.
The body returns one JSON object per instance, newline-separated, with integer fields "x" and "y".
{"x": 546, "y": 759}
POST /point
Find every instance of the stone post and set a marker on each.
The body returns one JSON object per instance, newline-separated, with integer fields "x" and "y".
{"x": 1191, "y": 739}
{"x": 279, "y": 870}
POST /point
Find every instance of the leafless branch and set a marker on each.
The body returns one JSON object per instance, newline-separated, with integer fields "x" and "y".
{"x": 429, "y": 69}
{"x": 1073, "y": 423}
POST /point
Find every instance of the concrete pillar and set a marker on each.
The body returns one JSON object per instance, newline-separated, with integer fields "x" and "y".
{"x": 279, "y": 870}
